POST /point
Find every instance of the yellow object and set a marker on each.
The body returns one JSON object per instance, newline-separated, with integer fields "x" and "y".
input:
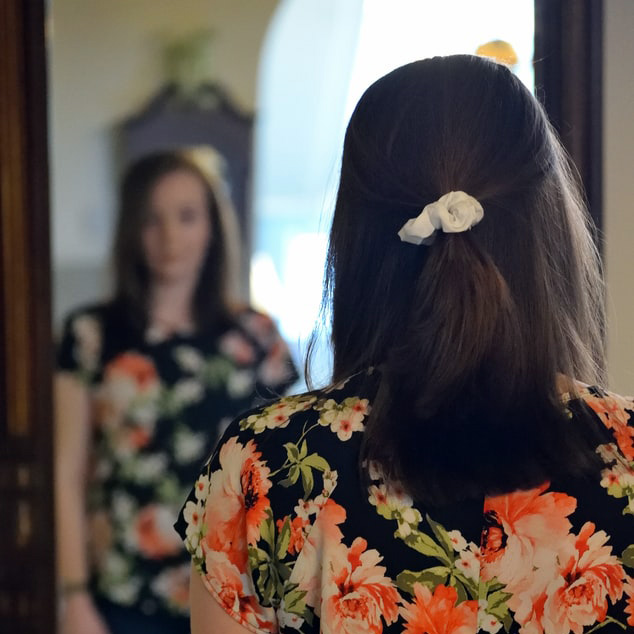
{"x": 500, "y": 51}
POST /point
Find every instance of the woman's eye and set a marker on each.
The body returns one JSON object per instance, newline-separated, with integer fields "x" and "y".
{"x": 188, "y": 215}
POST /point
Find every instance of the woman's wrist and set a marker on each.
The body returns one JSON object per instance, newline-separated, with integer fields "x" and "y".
{"x": 73, "y": 587}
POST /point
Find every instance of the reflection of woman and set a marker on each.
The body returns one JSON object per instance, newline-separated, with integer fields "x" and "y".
{"x": 456, "y": 477}
{"x": 145, "y": 384}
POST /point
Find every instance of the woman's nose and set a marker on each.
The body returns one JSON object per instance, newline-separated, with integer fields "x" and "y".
{"x": 169, "y": 235}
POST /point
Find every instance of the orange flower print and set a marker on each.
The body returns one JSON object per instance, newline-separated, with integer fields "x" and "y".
{"x": 323, "y": 538}
{"x": 520, "y": 530}
{"x": 255, "y": 486}
{"x": 154, "y": 532}
{"x": 134, "y": 366}
{"x": 615, "y": 412}
{"x": 223, "y": 579}
{"x": 438, "y": 613}
{"x": 575, "y": 593}
{"x": 136, "y": 438}
{"x": 357, "y": 596}
{"x": 237, "y": 348}
{"x": 297, "y": 525}
{"x": 237, "y": 502}
{"x": 128, "y": 394}
{"x": 173, "y": 585}
{"x": 629, "y": 608}
{"x": 591, "y": 576}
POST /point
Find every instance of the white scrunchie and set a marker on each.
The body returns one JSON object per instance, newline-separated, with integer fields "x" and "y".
{"x": 454, "y": 212}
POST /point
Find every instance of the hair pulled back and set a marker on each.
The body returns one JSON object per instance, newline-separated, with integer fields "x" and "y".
{"x": 471, "y": 334}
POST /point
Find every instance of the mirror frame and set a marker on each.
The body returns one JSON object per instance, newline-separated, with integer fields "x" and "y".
{"x": 27, "y": 539}
{"x": 568, "y": 46}
{"x": 569, "y": 82}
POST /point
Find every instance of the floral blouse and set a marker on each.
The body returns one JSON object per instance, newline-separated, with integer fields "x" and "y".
{"x": 158, "y": 408}
{"x": 288, "y": 538}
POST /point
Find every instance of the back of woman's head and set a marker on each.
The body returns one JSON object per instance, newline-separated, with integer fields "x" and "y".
{"x": 477, "y": 326}
{"x": 132, "y": 276}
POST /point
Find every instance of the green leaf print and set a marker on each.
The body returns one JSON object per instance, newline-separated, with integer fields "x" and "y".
{"x": 169, "y": 491}
{"x": 316, "y": 462}
{"x": 458, "y": 584}
{"x": 497, "y": 604}
{"x": 302, "y": 464}
{"x": 442, "y": 536}
{"x": 283, "y": 539}
{"x": 260, "y": 561}
{"x": 292, "y": 452}
{"x": 469, "y": 585}
{"x": 216, "y": 371}
{"x": 293, "y": 476}
{"x": 430, "y": 577}
{"x": 257, "y": 557}
{"x": 628, "y": 556}
{"x": 267, "y": 531}
{"x": 307, "y": 480}
{"x": 295, "y": 600}
{"x": 425, "y": 545}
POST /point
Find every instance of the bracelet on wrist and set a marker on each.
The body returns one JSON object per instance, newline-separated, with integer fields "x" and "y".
{"x": 68, "y": 588}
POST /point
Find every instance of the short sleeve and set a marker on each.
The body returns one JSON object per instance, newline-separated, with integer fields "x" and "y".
{"x": 276, "y": 370}
{"x": 220, "y": 529}
{"x": 80, "y": 345}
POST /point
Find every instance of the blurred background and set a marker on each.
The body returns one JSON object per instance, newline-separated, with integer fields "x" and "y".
{"x": 269, "y": 86}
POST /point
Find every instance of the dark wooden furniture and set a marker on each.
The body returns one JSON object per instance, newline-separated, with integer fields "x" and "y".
{"x": 568, "y": 78}
{"x": 27, "y": 566}
{"x": 207, "y": 118}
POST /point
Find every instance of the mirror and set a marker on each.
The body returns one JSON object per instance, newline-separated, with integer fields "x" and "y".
{"x": 268, "y": 61}
{"x": 115, "y": 75}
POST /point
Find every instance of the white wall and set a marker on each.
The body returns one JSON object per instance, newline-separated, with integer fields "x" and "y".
{"x": 618, "y": 156}
{"x": 104, "y": 64}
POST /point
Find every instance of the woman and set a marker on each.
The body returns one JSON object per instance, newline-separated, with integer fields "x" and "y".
{"x": 457, "y": 476}
{"x": 145, "y": 384}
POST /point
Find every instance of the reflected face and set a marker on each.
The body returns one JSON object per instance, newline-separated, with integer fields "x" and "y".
{"x": 177, "y": 229}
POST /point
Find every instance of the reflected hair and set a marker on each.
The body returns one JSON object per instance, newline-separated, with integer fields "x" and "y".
{"x": 473, "y": 335}
{"x": 216, "y": 287}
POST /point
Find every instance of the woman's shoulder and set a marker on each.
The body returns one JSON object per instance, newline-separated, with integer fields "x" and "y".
{"x": 327, "y": 418}
{"x": 606, "y": 403}
{"x": 103, "y": 315}
{"x": 256, "y": 324}
{"x": 94, "y": 310}
{"x": 81, "y": 343}
{"x": 615, "y": 411}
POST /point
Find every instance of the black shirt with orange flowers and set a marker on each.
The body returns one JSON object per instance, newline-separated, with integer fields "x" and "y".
{"x": 288, "y": 537}
{"x": 159, "y": 404}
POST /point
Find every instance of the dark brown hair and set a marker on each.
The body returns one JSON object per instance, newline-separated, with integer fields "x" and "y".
{"x": 469, "y": 335}
{"x": 214, "y": 291}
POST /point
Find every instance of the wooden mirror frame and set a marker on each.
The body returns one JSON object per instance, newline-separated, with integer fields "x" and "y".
{"x": 27, "y": 567}
{"x": 569, "y": 82}
{"x": 568, "y": 50}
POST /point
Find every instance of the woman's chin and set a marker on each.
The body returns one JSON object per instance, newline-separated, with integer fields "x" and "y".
{"x": 174, "y": 275}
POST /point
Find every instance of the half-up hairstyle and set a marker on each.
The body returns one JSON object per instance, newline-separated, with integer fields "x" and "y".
{"x": 474, "y": 336}
{"x": 216, "y": 287}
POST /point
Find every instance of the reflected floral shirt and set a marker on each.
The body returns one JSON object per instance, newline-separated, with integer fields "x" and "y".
{"x": 288, "y": 538}
{"x": 159, "y": 405}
